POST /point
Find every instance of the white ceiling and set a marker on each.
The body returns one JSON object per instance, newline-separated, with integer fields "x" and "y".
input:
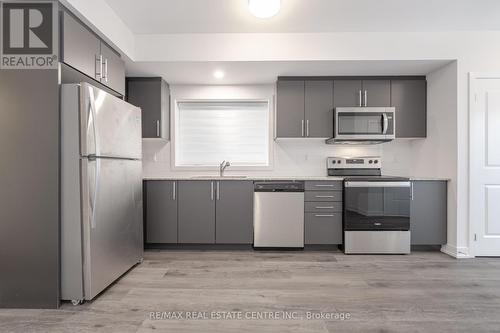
{"x": 232, "y": 16}
{"x": 260, "y": 72}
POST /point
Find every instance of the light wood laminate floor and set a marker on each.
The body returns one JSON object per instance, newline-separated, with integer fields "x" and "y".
{"x": 421, "y": 292}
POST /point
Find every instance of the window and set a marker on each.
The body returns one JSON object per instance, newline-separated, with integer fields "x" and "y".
{"x": 208, "y": 132}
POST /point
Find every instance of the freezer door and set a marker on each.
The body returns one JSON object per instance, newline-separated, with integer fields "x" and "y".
{"x": 110, "y": 127}
{"x": 112, "y": 220}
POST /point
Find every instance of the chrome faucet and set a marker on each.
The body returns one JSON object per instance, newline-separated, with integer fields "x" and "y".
{"x": 223, "y": 167}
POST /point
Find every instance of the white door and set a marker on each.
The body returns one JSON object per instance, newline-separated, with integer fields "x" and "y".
{"x": 485, "y": 164}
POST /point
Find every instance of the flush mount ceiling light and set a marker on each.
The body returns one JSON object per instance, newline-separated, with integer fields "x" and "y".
{"x": 264, "y": 8}
{"x": 218, "y": 74}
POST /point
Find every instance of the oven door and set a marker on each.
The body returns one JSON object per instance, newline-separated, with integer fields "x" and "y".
{"x": 365, "y": 123}
{"x": 377, "y": 205}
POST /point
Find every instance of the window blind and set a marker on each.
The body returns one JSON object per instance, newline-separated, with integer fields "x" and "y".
{"x": 210, "y": 132}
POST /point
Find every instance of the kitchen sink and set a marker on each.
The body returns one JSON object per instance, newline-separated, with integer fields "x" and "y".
{"x": 218, "y": 177}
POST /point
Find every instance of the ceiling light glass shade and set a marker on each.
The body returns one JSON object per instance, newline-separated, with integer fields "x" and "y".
{"x": 264, "y": 8}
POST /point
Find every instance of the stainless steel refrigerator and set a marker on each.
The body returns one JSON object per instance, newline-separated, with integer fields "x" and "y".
{"x": 101, "y": 190}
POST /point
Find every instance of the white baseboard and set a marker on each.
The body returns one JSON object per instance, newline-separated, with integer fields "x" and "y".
{"x": 456, "y": 252}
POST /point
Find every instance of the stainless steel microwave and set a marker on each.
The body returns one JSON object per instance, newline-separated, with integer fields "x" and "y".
{"x": 363, "y": 125}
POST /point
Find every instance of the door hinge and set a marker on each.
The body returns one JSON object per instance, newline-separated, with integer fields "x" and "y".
{"x": 475, "y": 237}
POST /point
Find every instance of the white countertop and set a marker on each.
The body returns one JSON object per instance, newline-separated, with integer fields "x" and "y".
{"x": 312, "y": 178}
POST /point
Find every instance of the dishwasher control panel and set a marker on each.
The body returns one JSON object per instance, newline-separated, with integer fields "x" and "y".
{"x": 294, "y": 186}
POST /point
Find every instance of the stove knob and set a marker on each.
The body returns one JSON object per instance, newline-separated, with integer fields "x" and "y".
{"x": 376, "y": 161}
{"x": 333, "y": 162}
{"x": 339, "y": 161}
{"x": 370, "y": 161}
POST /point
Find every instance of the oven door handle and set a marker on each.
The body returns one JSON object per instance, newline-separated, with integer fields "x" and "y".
{"x": 385, "y": 125}
{"x": 377, "y": 184}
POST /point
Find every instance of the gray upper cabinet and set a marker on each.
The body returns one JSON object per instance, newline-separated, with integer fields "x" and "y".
{"x": 196, "y": 212}
{"x": 161, "y": 211}
{"x": 234, "y": 212}
{"x": 428, "y": 213}
{"x": 347, "y": 93}
{"x": 376, "y": 93}
{"x": 83, "y": 50}
{"x": 409, "y": 97}
{"x": 350, "y": 93}
{"x": 113, "y": 69}
{"x": 319, "y": 109}
{"x": 152, "y": 95}
{"x": 290, "y": 109}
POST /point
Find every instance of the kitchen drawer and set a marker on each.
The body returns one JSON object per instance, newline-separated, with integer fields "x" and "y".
{"x": 323, "y": 196}
{"x": 322, "y": 207}
{"x": 321, "y": 185}
{"x": 323, "y": 228}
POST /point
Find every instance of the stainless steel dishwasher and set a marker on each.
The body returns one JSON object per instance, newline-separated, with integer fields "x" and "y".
{"x": 278, "y": 214}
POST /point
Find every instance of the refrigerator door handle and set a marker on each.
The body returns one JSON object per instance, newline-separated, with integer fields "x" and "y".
{"x": 93, "y": 192}
{"x": 91, "y": 123}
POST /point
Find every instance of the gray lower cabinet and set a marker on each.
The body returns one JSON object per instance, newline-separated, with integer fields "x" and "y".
{"x": 318, "y": 109}
{"x": 234, "y": 212}
{"x": 324, "y": 196}
{"x": 428, "y": 213}
{"x": 409, "y": 97}
{"x": 290, "y": 109}
{"x": 161, "y": 211}
{"x": 196, "y": 211}
{"x": 152, "y": 95}
{"x": 323, "y": 228}
{"x": 323, "y": 212}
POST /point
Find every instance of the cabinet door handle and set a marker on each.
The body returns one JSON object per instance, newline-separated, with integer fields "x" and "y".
{"x": 212, "y": 191}
{"x": 98, "y": 60}
{"x": 324, "y": 185}
{"x": 158, "y": 128}
{"x": 324, "y": 215}
{"x": 105, "y": 76}
{"x": 218, "y": 190}
{"x": 360, "y": 98}
{"x": 324, "y": 207}
{"x": 366, "y": 98}
{"x": 324, "y": 196}
{"x": 307, "y": 127}
{"x": 173, "y": 190}
{"x": 302, "y": 127}
{"x": 411, "y": 189}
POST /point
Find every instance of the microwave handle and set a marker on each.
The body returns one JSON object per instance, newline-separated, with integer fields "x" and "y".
{"x": 386, "y": 123}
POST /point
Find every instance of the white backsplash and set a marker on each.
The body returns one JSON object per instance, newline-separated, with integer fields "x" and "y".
{"x": 292, "y": 157}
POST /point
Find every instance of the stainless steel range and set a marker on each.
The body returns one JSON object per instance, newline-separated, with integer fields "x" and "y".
{"x": 376, "y": 207}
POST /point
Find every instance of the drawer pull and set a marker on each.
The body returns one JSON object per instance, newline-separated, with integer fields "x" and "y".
{"x": 324, "y": 196}
{"x": 324, "y": 215}
{"x": 324, "y": 207}
{"x": 324, "y": 185}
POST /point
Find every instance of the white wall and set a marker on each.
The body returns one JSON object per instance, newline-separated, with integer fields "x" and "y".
{"x": 292, "y": 157}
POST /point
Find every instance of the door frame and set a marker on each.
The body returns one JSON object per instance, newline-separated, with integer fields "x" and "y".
{"x": 473, "y": 78}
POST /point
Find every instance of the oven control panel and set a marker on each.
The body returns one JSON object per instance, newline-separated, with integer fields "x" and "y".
{"x": 364, "y": 162}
